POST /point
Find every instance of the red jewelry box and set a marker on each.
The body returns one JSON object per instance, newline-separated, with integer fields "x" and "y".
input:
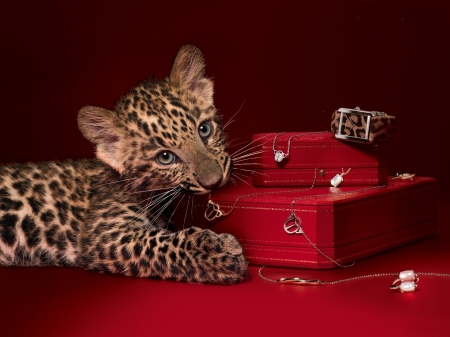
{"x": 346, "y": 223}
{"x": 368, "y": 163}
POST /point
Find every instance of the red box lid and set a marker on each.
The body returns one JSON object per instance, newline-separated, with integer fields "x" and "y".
{"x": 317, "y": 150}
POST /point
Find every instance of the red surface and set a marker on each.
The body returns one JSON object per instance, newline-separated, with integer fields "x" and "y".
{"x": 289, "y": 64}
{"x": 72, "y": 302}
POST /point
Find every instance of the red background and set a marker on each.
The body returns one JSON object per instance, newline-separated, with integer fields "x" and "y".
{"x": 289, "y": 64}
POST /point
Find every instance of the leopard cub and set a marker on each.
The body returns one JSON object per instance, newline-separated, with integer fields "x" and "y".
{"x": 105, "y": 214}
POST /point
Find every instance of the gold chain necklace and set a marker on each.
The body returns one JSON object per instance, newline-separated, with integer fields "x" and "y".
{"x": 213, "y": 210}
{"x": 405, "y": 282}
{"x": 292, "y": 225}
{"x": 280, "y": 155}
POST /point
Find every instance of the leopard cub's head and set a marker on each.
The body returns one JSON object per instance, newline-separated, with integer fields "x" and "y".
{"x": 164, "y": 133}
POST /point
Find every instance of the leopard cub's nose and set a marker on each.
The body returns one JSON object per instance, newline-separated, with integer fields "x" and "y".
{"x": 212, "y": 185}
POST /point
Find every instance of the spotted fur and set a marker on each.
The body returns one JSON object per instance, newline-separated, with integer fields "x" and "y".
{"x": 164, "y": 138}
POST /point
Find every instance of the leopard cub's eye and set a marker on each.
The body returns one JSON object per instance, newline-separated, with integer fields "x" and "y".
{"x": 165, "y": 158}
{"x": 205, "y": 130}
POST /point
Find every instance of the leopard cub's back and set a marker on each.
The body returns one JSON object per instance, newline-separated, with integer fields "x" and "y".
{"x": 42, "y": 211}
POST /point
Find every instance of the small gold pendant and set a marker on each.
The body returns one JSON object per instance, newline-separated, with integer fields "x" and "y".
{"x": 293, "y": 225}
{"x": 212, "y": 211}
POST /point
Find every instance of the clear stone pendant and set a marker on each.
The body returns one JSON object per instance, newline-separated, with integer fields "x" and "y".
{"x": 337, "y": 180}
{"x": 279, "y": 156}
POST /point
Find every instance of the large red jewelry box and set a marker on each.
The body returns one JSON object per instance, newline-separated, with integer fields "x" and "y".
{"x": 346, "y": 223}
{"x": 308, "y": 152}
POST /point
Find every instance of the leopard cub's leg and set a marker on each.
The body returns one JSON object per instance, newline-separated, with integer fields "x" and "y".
{"x": 190, "y": 255}
{"x": 209, "y": 257}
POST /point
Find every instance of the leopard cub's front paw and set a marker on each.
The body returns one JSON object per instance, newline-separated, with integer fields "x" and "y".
{"x": 219, "y": 257}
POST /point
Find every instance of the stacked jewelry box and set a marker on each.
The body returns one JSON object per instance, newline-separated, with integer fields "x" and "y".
{"x": 314, "y": 201}
{"x": 302, "y": 158}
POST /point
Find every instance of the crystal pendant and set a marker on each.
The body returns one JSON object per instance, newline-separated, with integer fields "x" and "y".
{"x": 279, "y": 156}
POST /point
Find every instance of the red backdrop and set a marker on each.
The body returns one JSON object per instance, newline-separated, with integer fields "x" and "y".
{"x": 289, "y": 63}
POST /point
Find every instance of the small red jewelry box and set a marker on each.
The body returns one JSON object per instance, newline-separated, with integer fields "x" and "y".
{"x": 345, "y": 223}
{"x": 302, "y": 153}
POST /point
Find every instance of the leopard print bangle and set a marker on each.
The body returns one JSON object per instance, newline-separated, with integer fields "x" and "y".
{"x": 354, "y": 127}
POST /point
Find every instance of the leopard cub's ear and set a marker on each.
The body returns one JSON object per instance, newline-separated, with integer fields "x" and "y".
{"x": 188, "y": 71}
{"x": 101, "y": 127}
